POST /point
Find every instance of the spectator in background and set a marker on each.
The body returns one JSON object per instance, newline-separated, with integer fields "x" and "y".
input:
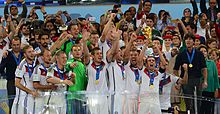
{"x": 9, "y": 64}
{"x": 211, "y": 91}
{"x": 14, "y": 10}
{"x": 144, "y": 9}
{"x": 212, "y": 11}
{"x": 133, "y": 11}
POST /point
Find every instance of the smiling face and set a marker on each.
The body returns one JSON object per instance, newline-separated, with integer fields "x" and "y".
{"x": 204, "y": 52}
{"x": 97, "y": 57}
{"x": 212, "y": 45}
{"x": 187, "y": 12}
{"x": 147, "y": 7}
{"x": 168, "y": 42}
{"x": 213, "y": 55}
{"x": 197, "y": 42}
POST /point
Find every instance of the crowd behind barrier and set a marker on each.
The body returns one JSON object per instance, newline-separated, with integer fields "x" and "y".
{"x": 134, "y": 61}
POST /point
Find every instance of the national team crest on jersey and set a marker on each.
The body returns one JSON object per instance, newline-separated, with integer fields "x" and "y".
{"x": 31, "y": 68}
{"x": 43, "y": 72}
{"x": 56, "y": 74}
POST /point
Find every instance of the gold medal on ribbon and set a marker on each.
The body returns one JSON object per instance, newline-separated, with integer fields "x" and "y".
{"x": 151, "y": 86}
{"x": 97, "y": 82}
{"x": 190, "y": 65}
{"x": 138, "y": 81}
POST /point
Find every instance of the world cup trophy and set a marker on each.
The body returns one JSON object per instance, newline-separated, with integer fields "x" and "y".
{"x": 147, "y": 32}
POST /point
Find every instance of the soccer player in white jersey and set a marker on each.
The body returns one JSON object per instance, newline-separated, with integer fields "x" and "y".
{"x": 59, "y": 77}
{"x": 151, "y": 84}
{"x": 116, "y": 73}
{"x": 132, "y": 74}
{"x": 105, "y": 42}
{"x": 165, "y": 86}
{"x": 39, "y": 80}
{"x": 97, "y": 80}
{"x": 25, "y": 92}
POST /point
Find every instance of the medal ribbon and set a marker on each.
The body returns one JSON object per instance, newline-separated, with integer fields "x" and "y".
{"x": 98, "y": 69}
{"x": 73, "y": 41}
{"x": 61, "y": 76}
{"x": 152, "y": 75}
{"x": 44, "y": 67}
{"x": 17, "y": 60}
{"x": 122, "y": 69}
{"x": 137, "y": 74}
{"x": 29, "y": 69}
{"x": 157, "y": 61}
{"x": 191, "y": 58}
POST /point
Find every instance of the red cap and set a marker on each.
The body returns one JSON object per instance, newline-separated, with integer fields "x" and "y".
{"x": 197, "y": 36}
{"x": 140, "y": 37}
{"x": 168, "y": 37}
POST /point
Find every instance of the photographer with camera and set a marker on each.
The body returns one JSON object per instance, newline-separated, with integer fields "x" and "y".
{"x": 33, "y": 15}
{"x": 164, "y": 21}
{"x": 14, "y": 10}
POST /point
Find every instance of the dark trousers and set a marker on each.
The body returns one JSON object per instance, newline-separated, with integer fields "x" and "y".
{"x": 11, "y": 92}
{"x": 207, "y": 105}
{"x": 188, "y": 91}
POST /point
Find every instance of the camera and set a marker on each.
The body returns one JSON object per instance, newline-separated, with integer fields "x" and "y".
{"x": 114, "y": 11}
{"x": 117, "y": 6}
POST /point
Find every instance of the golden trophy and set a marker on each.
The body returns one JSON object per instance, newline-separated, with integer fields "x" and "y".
{"x": 147, "y": 32}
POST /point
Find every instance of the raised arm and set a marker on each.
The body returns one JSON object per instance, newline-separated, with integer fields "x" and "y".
{"x": 107, "y": 27}
{"x": 140, "y": 62}
{"x": 182, "y": 25}
{"x": 61, "y": 40}
{"x": 140, "y": 7}
{"x": 195, "y": 7}
{"x": 128, "y": 47}
{"x": 203, "y": 7}
{"x": 115, "y": 46}
{"x": 12, "y": 28}
{"x": 6, "y": 13}
{"x": 85, "y": 37}
{"x": 162, "y": 59}
{"x": 24, "y": 11}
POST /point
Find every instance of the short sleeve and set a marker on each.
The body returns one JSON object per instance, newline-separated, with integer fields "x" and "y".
{"x": 19, "y": 72}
